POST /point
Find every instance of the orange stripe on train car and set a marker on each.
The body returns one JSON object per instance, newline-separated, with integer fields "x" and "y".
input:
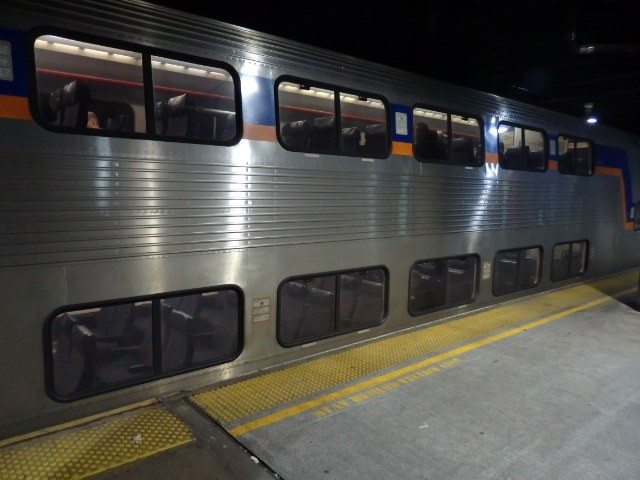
{"x": 617, "y": 172}
{"x": 266, "y": 133}
{"x": 402, "y": 148}
{"x": 14, "y": 107}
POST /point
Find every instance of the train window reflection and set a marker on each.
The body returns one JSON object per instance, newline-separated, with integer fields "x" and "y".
{"x": 77, "y": 81}
{"x": 443, "y": 283}
{"x": 326, "y": 305}
{"x": 569, "y": 260}
{"x": 193, "y": 101}
{"x": 362, "y": 295}
{"x": 105, "y": 347}
{"x": 322, "y": 119}
{"x": 515, "y": 270}
{"x": 522, "y": 148}
{"x": 443, "y": 137}
{"x": 575, "y": 156}
{"x": 198, "y": 328}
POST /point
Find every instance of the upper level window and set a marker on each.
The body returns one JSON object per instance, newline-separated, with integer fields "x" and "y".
{"x": 84, "y": 85}
{"x": 91, "y": 87}
{"x": 444, "y": 137}
{"x": 522, "y": 148}
{"x": 575, "y": 156}
{"x": 193, "y": 100}
{"x": 324, "y": 119}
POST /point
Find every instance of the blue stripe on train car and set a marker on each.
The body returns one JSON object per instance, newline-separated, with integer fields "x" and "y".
{"x": 401, "y": 120}
{"x": 13, "y": 75}
{"x": 258, "y": 100}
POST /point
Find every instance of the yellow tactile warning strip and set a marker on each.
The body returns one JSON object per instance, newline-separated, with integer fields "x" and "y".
{"x": 94, "y": 448}
{"x": 249, "y": 404}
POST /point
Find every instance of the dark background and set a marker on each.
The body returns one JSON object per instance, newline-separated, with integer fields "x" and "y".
{"x": 554, "y": 54}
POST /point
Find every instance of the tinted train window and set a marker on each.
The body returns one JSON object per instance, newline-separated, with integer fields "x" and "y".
{"x": 443, "y": 137}
{"x": 324, "y": 119}
{"x": 193, "y": 100}
{"x": 575, "y": 156}
{"x": 515, "y": 270}
{"x": 443, "y": 283}
{"x": 82, "y": 85}
{"x": 522, "y": 148}
{"x": 327, "y": 305}
{"x": 569, "y": 260}
{"x": 105, "y": 347}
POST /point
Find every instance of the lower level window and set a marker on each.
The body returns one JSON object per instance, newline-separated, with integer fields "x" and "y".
{"x": 325, "y": 305}
{"x": 569, "y": 260}
{"x": 515, "y": 270}
{"x": 104, "y": 347}
{"x": 442, "y": 283}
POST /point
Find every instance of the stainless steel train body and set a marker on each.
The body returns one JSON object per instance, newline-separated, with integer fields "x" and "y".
{"x": 246, "y": 218}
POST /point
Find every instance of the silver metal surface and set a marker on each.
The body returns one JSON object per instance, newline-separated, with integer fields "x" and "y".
{"x": 89, "y": 219}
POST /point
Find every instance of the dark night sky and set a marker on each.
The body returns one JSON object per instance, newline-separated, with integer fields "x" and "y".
{"x": 522, "y": 50}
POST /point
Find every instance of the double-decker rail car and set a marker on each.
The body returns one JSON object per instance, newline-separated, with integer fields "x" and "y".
{"x": 186, "y": 201}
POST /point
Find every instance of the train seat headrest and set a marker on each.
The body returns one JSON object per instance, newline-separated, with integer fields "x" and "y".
{"x": 296, "y": 134}
{"x": 323, "y": 133}
{"x": 375, "y": 139}
{"x": 179, "y": 105}
{"x": 462, "y": 150}
{"x": 296, "y": 289}
{"x": 350, "y": 139}
{"x": 55, "y": 100}
{"x": 299, "y": 128}
{"x": 324, "y": 122}
{"x": 76, "y": 92}
{"x": 376, "y": 130}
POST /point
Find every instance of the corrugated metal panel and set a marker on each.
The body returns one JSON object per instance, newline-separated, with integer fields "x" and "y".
{"x": 71, "y": 208}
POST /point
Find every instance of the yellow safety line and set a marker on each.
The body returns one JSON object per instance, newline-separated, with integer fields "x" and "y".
{"x": 95, "y": 448}
{"x": 76, "y": 423}
{"x": 239, "y": 401}
{"x": 348, "y": 391}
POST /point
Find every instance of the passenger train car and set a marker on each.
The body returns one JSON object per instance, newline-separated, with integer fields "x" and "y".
{"x": 185, "y": 202}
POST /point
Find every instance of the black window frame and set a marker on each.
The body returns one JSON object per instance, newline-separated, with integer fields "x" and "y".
{"x": 519, "y": 251}
{"x": 155, "y": 328}
{"x": 336, "y": 330}
{"x": 524, "y": 152}
{"x": 446, "y": 290}
{"x": 336, "y": 89}
{"x": 450, "y": 137}
{"x": 146, "y": 53}
{"x": 576, "y": 139}
{"x": 568, "y": 274}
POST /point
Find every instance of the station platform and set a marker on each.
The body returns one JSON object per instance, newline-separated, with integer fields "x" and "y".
{"x": 536, "y": 388}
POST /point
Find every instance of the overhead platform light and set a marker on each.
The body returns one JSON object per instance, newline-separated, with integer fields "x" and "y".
{"x": 589, "y": 116}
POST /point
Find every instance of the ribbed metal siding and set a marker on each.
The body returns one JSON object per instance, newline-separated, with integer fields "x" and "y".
{"x": 61, "y": 208}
